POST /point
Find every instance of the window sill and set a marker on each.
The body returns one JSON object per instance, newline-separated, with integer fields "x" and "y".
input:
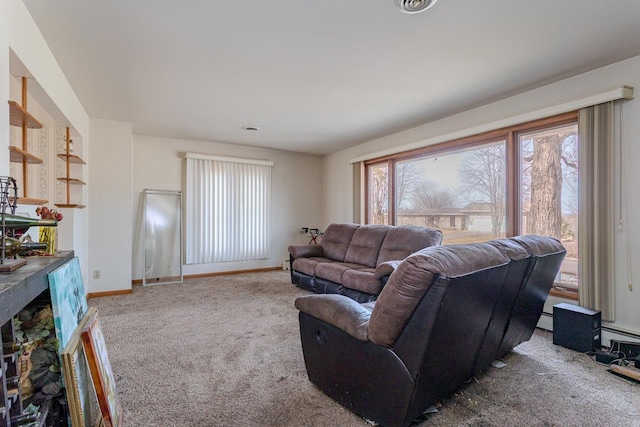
{"x": 572, "y": 295}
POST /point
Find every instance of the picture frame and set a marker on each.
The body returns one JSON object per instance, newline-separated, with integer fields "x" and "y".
{"x": 102, "y": 376}
{"x": 83, "y": 408}
{"x": 68, "y": 300}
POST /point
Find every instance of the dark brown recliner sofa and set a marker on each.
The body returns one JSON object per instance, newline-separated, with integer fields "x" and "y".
{"x": 444, "y": 315}
{"x": 356, "y": 260}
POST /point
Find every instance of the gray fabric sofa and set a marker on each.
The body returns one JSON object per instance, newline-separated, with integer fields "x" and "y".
{"x": 356, "y": 260}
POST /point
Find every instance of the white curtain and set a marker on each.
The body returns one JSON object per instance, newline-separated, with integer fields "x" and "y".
{"x": 596, "y": 220}
{"x": 227, "y": 209}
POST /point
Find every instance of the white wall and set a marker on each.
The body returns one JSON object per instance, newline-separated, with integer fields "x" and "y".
{"x": 296, "y": 193}
{"x": 337, "y": 170}
{"x": 110, "y": 203}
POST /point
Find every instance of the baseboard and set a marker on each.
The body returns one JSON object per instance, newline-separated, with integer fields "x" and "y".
{"x": 108, "y": 293}
{"x": 608, "y": 333}
{"x": 221, "y": 273}
{"x": 545, "y": 322}
{"x": 226, "y": 273}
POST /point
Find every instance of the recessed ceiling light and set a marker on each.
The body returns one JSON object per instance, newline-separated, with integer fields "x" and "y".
{"x": 414, "y": 6}
{"x": 251, "y": 128}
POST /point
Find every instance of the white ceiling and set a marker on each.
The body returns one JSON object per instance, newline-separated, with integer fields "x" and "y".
{"x": 319, "y": 76}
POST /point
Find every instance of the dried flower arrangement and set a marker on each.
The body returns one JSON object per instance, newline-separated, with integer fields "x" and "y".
{"x": 46, "y": 213}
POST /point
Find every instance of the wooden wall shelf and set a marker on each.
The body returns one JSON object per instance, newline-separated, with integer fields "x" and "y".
{"x": 73, "y": 181}
{"x": 71, "y": 158}
{"x": 19, "y": 116}
{"x": 30, "y": 201}
{"x": 18, "y": 155}
{"x": 70, "y": 205}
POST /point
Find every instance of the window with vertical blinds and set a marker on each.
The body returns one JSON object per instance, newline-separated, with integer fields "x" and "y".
{"x": 227, "y": 209}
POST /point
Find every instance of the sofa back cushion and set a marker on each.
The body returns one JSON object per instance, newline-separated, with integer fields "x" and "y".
{"x": 365, "y": 244}
{"x": 511, "y": 286}
{"x": 547, "y": 256}
{"x": 402, "y": 241}
{"x": 413, "y": 277}
{"x": 336, "y": 239}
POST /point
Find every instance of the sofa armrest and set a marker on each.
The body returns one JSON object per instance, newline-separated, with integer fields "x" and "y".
{"x": 339, "y": 311}
{"x": 305, "y": 251}
{"x": 386, "y": 268}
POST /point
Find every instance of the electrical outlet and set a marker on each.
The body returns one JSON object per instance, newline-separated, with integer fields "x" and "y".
{"x": 96, "y": 274}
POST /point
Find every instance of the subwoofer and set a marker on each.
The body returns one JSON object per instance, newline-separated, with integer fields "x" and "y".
{"x": 577, "y": 328}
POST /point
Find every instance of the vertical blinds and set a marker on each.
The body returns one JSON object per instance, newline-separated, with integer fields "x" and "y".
{"x": 227, "y": 209}
{"x": 596, "y": 230}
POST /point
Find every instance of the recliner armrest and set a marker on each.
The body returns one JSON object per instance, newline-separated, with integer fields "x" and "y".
{"x": 305, "y": 251}
{"x": 386, "y": 268}
{"x": 339, "y": 311}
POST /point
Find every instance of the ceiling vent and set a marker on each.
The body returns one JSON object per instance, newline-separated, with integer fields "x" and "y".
{"x": 414, "y": 6}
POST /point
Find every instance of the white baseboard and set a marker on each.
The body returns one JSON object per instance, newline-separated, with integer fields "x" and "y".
{"x": 545, "y": 322}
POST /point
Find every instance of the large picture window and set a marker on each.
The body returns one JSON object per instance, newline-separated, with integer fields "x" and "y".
{"x": 519, "y": 180}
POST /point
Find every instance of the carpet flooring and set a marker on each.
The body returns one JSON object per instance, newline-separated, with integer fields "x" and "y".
{"x": 225, "y": 351}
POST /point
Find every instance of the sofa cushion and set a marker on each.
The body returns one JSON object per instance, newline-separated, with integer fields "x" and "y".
{"x": 386, "y": 268}
{"x": 510, "y": 248}
{"x": 333, "y": 271}
{"x": 308, "y": 265}
{"x": 540, "y": 246}
{"x": 336, "y": 239}
{"x": 402, "y": 241}
{"x": 362, "y": 280}
{"x": 365, "y": 244}
{"x": 339, "y": 311}
{"x": 305, "y": 251}
{"x": 410, "y": 282}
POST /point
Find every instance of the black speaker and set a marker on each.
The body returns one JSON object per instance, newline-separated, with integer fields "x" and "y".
{"x": 577, "y": 328}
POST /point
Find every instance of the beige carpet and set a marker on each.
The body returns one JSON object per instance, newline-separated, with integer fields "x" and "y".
{"x": 225, "y": 351}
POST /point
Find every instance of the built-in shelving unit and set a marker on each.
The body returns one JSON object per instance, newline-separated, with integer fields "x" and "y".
{"x": 67, "y": 179}
{"x": 20, "y": 117}
{"x": 19, "y": 289}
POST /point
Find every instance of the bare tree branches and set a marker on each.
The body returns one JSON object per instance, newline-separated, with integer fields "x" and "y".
{"x": 483, "y": 177}
{"x": 427, "y": 195}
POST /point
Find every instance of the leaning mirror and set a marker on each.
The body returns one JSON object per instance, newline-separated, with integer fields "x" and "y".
{"x": 162, "y": 237}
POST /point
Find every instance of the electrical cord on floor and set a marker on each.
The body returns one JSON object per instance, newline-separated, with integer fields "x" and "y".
{"x": 618, "y": 364}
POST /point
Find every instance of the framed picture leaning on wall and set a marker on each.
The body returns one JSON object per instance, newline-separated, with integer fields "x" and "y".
{"x": 83, "y": 406}
{"x": 68, "y": 300}
{"x": 102, "y": 376}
